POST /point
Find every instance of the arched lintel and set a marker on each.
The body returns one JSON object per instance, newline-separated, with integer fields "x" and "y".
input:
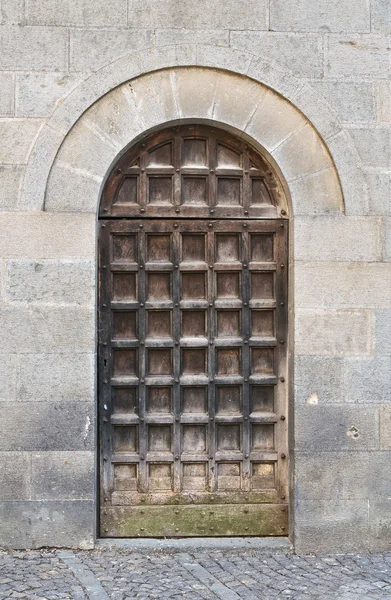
{"x": 45, "y": 154}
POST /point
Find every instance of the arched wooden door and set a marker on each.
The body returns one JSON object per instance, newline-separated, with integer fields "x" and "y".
{"x": 192, "y": 340}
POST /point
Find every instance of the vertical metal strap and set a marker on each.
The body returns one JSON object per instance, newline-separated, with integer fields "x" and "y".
{"x": 211, "y": 294}
{"x": 176, "y": 333}
{"x": 142, "y": 296}
{"x": 246, "y": 358}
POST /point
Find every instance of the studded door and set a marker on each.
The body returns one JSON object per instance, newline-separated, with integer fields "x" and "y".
{"x": 192, "y": 387}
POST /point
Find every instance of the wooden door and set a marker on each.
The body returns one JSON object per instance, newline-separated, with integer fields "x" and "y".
{"x": 192, "y": 373}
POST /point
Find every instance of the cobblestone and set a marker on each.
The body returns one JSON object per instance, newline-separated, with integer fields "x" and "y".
{"x": 198, "y": 574}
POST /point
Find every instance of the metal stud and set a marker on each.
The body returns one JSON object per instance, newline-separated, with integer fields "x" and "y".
{"x": 210, "y": 225}
{"x": 283, "y": 455}
{"x": 177, "y": 210}
{"x": 282, "y": 417}
{"x": 282, "y": 379}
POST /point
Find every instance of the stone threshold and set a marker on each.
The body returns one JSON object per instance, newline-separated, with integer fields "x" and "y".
{"x": 264, "y": 544}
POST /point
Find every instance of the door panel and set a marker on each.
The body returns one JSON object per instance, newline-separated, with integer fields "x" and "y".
{"x": 192, "y": 376}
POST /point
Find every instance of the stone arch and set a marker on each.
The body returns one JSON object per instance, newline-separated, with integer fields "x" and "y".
{"x": 301, "y": 116}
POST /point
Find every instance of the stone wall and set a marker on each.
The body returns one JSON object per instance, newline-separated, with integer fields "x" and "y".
{"x": 331, "y": 61}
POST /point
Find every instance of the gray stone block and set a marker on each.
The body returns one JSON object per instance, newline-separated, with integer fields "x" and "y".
{"x": 336, "y": 427}
{"x": 343, "y": 285}
{"x": 11, "y": 12}
{"x": 301, "y": 54}
{"x": 323, "y": 15}
{"x": 82, "y": 13}
{"x": 373, "y": 145}
{"x": 38, "y": 94}
{"x": 319, "y": 238}
{"x": 47, "y": 330}
{"x": 51, "y": 282}
{"x": 233, "y": 14}
{"x": 381, "y": 16}
{"x": 27, "y": 48}
{"x": 383, "y": 100}
{"x": 62, "y": 476}
{"x": 350, "y": 172}
{"x": 47, "y": 426}
{"x": 70, "y": 190}
{"x": 379, "y": 517}
{"x": 68, "y": 377}
{"x": 386, "y": 239}
{"x": 7, "y": 86}
{"x": 385, "y": 425}
{"x": 357, "y": 56}
{"x": 9, "y": 369}
{"x": 217, "y": 37}
{"x": 317, "y": 194}
{"x": 17, "y": 137}
{"x": 367, "y": 380}
{"x": 69, "y": 524}
{"x": 382, "y": 337}
{"x": 318, "y": 380}
{"x": 322, "y": 525}
{"x": 379, "y": 185}
{"x": 353, "y": 101}
{"x": 47, "y": 236}
{"x": 332, "y": 332}
{"x": 342, "y": 476}
{"x": 15, "y": 476}
{"x": 92, "y": 49}
{"x": 11, "y": 179}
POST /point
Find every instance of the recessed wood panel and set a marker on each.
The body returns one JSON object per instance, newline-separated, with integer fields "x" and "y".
{"x": 160, "y": 191}
{"x": 159, "y": 438}
{"x": 194, "y": 153}
{"x": 193, "y": 439}
{"x": 124, "y": 325}
{"x": 124, "y": 400}
{"x": 194, "y": 477}
{"x": 193, "y": 286}
{"x": 262, "y": 398}
{"x": 159, "y": 361}
{"x": 158, "y": 248}
{"x": 262, "y": 436}
{"x": 228, "y": 323}
{"x": 228, "y": 191}
{"x": 229, "y": 437}
{"x": 194, "y": 399}
{"x": 124, "y": 362}
{"x": 194, "y": 361}
{"x": 159, "y": 286}
{"x": 124, "y": 249}
{"x": 228, "y": 361}
{"x": 124, "y": 286}
{"x": 194, "y": 190}
{"x": 128, "y": 192}
{"x": 262, "y": 247}
{"x": 160, "y": 156}
{"x": 159, "y": 323}
{"x": 125, "y": 439}
{"x": 259, "y": 192}
{"x": 262, "y": 361}
{"x": 262, "y": 323}
{"x": 263, "y": 476}
{"x": 159, "y": 400}
{"x": 229, "y": 400}
{"x": 193, "y": 248}
{"x": 228, "y": 285}
{"x": 229, "y": 476}
{"x": 160, "y": 477}
{"x": 125, "y": 478}
{"x": 227, "y": 247}
{"x": 193, "y": 323}
{"x": 262, "y": 286}
{"x": 228, "y": 158}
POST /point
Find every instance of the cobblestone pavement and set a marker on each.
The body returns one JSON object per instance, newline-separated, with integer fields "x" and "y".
{"x": 226, "y": 574}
